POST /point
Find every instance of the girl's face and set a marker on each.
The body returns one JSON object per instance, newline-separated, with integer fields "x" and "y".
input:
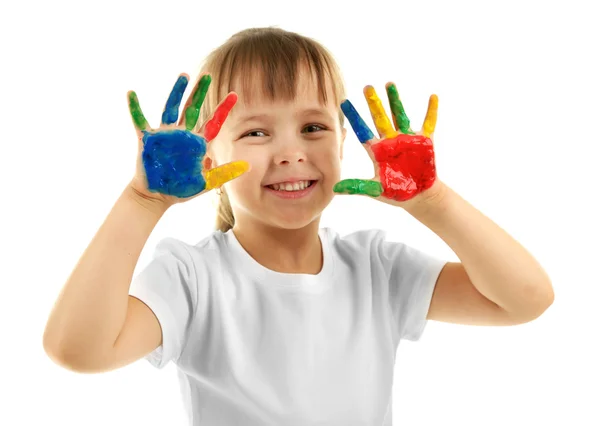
{"x": 294, "y": 149}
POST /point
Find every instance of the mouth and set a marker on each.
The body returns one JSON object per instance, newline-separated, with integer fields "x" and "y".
{"x": 292, "y": 190}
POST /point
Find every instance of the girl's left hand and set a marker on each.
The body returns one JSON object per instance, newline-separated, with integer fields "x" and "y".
{"x": 404, "y": 160}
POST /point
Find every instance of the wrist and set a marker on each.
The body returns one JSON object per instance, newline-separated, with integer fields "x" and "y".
{"x": 428, "y": 201}
{"x": 153, "y": 205}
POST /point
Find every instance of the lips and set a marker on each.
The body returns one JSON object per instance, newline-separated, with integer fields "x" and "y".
{"x": 291, "y": 180}
{"x": 293, "y": 194}
{"x": 297, "y": 185}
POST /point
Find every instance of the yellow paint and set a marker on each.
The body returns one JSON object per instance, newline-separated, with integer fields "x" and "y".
{"x": 382, "y": 122}
{"x": 431, "y": 117}
{"x": 219, "y": 175}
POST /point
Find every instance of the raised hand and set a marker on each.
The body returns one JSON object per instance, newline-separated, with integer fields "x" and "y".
{"x": 404, "y": 160}
{"x": 170, "y": 160}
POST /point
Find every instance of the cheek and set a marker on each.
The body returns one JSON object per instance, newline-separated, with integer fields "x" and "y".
{"x": 250, "y": 182}
{"x": 219, "y": 152}
{"x": 327, "y": 159}
{"x": 336, "y": 169}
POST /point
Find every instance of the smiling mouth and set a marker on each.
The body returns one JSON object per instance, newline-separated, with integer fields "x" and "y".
{"x": 291, "y": 186}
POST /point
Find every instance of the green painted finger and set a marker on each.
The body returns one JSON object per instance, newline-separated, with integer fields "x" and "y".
{"x": 136, "y": 112}
{"x": 359, "y": 186}
{"x": 400, "y": 118}
{"x": 192, "y": 112}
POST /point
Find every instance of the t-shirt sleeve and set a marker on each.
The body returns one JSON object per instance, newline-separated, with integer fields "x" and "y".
{"x": 167, "y": 285}
{"x": 412, "y": 275}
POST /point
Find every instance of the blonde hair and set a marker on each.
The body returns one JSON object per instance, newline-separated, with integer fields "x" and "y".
{"x": 269, "y": 58}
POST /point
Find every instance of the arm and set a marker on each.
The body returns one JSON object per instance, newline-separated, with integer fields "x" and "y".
{"x": 515, "y": 288}
{"x": 497, "y": 281}
{"x": 92, "y": 307}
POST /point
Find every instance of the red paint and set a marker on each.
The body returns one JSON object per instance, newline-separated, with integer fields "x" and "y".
{"x": 406, "y": 165}
{"x": 293, "y": 194}
{"x": 213, "y": 126}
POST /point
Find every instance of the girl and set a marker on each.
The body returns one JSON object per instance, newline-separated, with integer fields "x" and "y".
{"x": 272, "y": 320}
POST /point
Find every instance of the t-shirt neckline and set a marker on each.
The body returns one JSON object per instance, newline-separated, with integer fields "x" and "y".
{"x": 310, "y": 283}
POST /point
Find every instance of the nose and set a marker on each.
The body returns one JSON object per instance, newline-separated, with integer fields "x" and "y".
{"x": 290, "y": 156}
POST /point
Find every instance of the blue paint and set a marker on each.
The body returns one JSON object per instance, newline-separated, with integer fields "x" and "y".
{"x": 171, "y": 112}
{"x": 173, "y": 162}
{"x": 361, "y": 129}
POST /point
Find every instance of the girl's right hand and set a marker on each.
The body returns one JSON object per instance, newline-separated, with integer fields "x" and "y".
{"x": 170, "y": 158}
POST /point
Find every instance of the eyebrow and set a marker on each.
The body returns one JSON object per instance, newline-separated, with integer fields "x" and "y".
{"x": 303, "y": 113}
{"x": 245, "y": 118}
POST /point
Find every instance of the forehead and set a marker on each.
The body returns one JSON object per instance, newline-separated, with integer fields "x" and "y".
{"x": 257, "y": 91}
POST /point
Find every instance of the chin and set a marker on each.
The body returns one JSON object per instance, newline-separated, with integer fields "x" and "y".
{"x": 291, "y": 221}
{"x": 284, "y": 213}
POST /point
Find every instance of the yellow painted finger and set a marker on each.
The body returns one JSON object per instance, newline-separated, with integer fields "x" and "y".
{"x": 219, "y": 175}
{"x": 380, "y": 118}
{"x": 431, "y": 117}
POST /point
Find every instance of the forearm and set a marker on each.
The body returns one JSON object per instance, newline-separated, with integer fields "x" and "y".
{"x": 497, "y": 265}
{"x": 91, "y": 308}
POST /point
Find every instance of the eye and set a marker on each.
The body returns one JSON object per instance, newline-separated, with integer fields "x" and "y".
{"x": 254, "y": 133}
{"x": 314, "y": 128}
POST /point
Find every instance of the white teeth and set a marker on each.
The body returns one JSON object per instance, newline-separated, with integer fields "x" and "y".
{"x": 289, "y": 186}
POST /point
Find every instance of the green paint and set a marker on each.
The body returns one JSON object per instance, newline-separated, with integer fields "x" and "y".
{"x": 359, "y": 186}
{"x": 136, "y": 112}
{"x": 400, "y": 116}
{"x": 192, "y": 112}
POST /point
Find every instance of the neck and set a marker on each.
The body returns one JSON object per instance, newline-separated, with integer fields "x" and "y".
{"x": 282, "y": 250}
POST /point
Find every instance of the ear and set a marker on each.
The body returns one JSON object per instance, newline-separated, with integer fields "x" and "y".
{"x": 342, "y": 143}
{"x": 206, "y": 163}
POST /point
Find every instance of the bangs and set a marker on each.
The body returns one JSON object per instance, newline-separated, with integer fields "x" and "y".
{"x": 271, "y": 67}
{"x": 274, "y": 75}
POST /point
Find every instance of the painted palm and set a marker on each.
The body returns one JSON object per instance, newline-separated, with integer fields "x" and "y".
{"x": 404, "y": 160}
{"x": 173, "y": 154}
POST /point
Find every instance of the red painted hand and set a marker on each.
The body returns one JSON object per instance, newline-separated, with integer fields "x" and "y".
{"x": 404, "y": 161}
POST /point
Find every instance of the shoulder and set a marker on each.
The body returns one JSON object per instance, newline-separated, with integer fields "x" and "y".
{"x": 374, "y": 244}
{"x": 360, "y": 235}
{"x": 203, "y": 252}
{"x": 211, "y": 241}
{"x": 357, "y": 242}
{"x": 357, "y": 238}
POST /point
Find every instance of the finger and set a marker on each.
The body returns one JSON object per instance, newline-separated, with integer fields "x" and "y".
{"x": 359, "y": 126}
{"x": 401, "y": 120}
{"x": 136, "y": 112}
{"x": 431, "y": 117}
{"x": 213, "y": 126}
{"x": 171, "y": 112}
{"x": 380, "y": 118}
{"x": 188, "y": 102}
{"x": 371, "y": 188}
{"x": 192, "y": 111}
{"x": 219, "y": 175}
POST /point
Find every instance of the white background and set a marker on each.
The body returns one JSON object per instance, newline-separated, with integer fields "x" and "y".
{"x": 517, "y": 136}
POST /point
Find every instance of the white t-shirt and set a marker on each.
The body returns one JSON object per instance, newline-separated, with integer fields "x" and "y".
{"x": 256, "y": 347}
